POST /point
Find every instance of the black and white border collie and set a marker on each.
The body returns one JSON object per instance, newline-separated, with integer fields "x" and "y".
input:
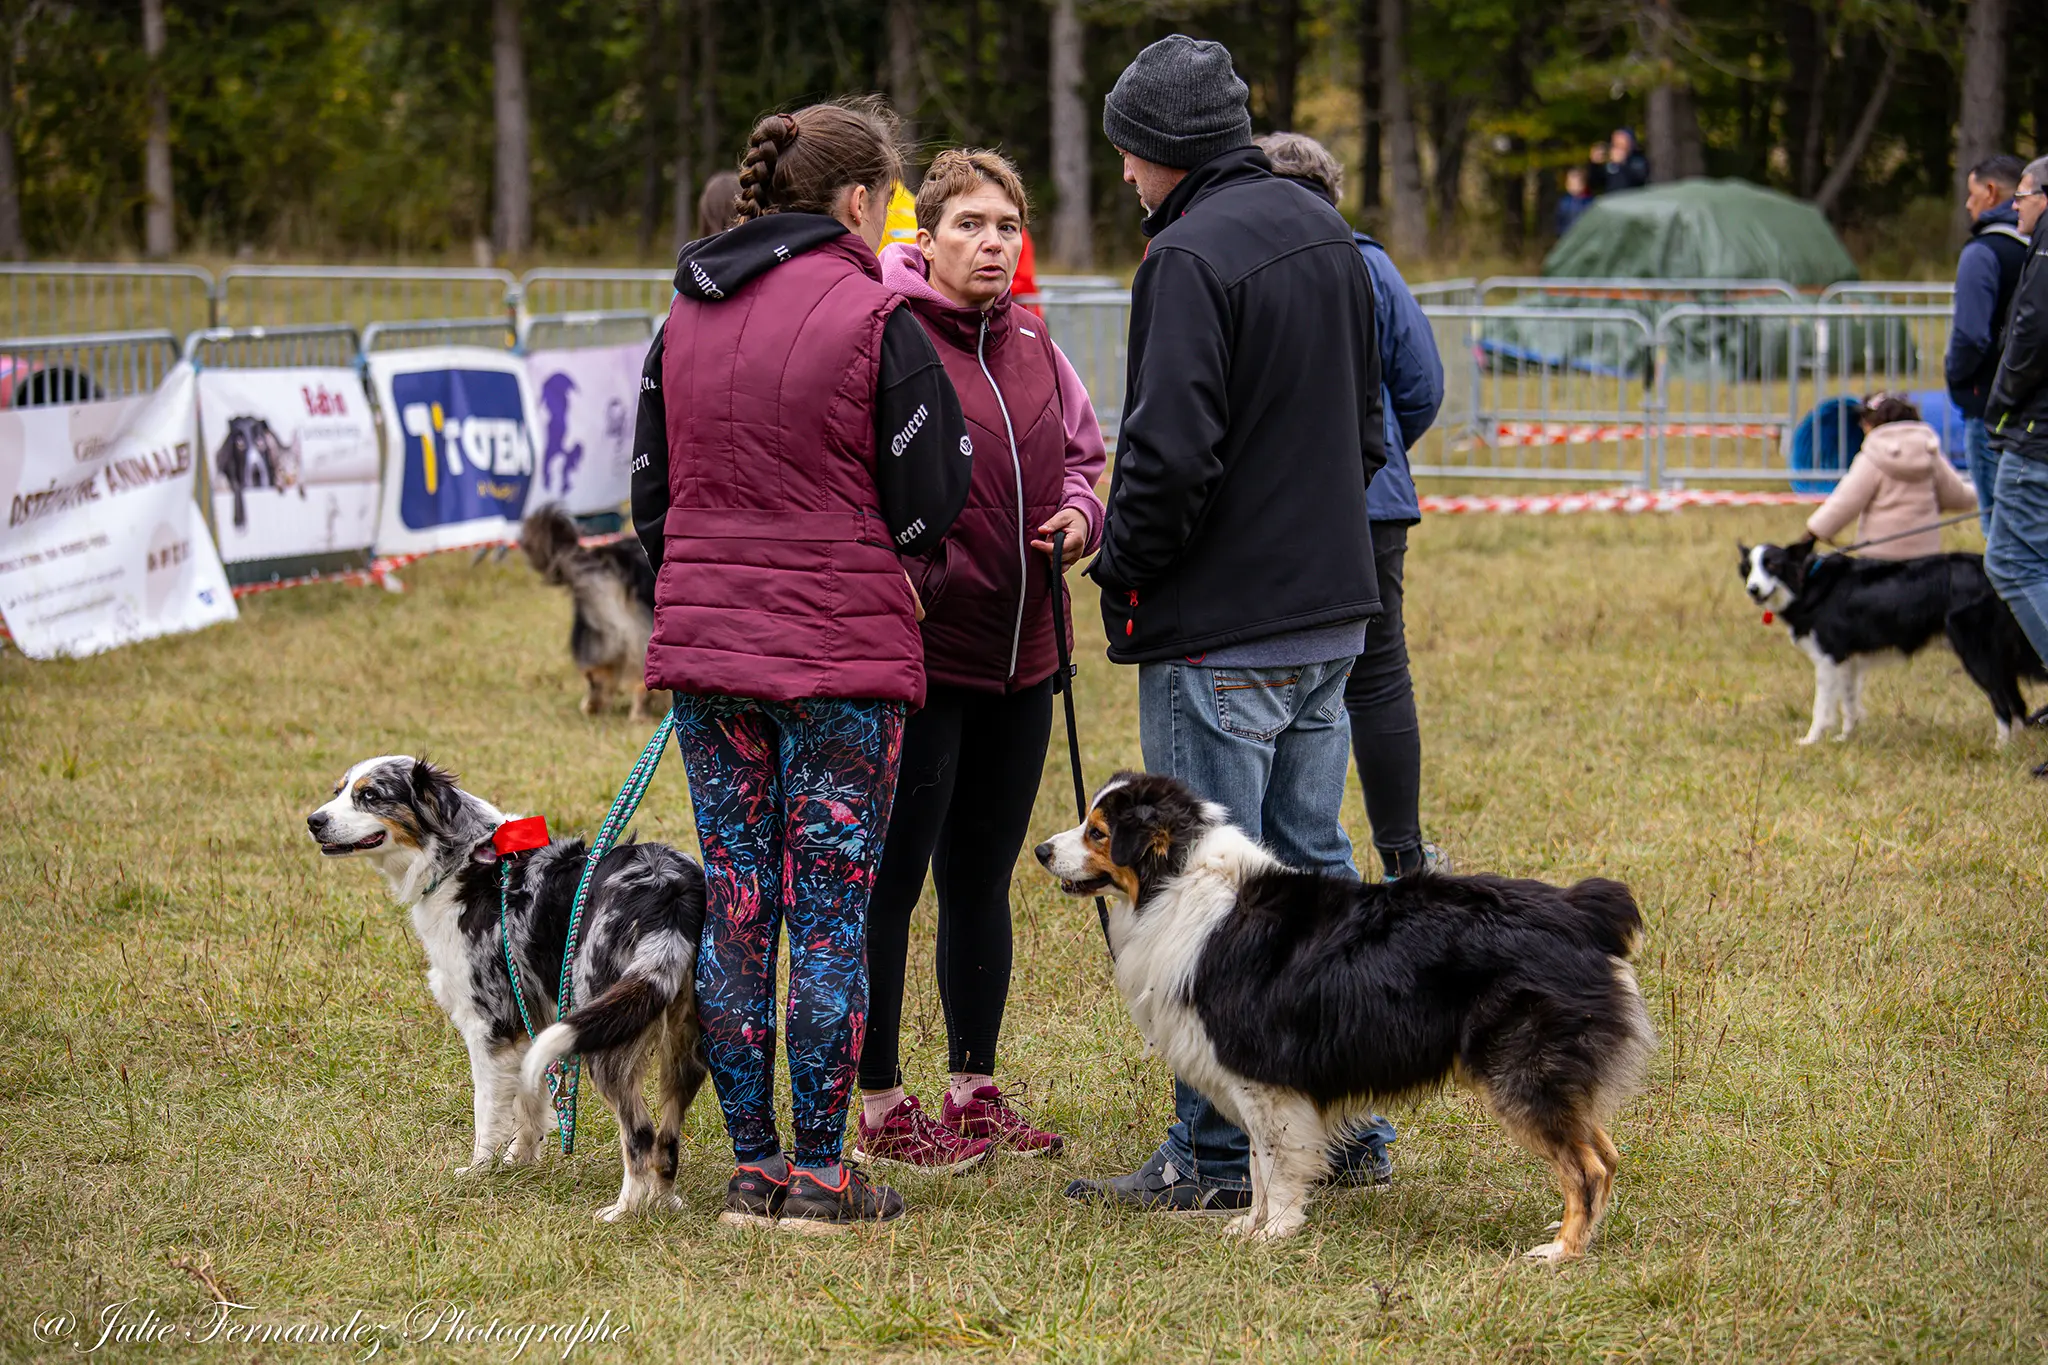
{"x": 1298, "y": 1001}
{"x": 635, "y": 962}
{"x": 1848, "y": 615}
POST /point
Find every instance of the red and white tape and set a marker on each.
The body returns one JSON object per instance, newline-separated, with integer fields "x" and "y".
{"x": 1614, "y": 500}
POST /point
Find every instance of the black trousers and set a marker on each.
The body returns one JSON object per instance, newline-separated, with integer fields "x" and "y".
{"x": 971, "y": 764}
{"x": 1386, "y": 739}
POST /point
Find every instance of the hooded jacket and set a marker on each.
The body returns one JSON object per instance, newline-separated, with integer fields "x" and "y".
{"x": 2016, "y": 414}
{"x": 1987, "y": 273}
{"x": 1252, "y": 422}
{"x": 1899, "y": 480}
{"x": 988, "y": 618}
{"x": 796, "y": 432}
{"x": 1411, "y": 383}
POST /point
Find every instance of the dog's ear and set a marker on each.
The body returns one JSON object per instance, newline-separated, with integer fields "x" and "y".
{"x": 1131, "y": 835}
{"x": 435, "y": 795}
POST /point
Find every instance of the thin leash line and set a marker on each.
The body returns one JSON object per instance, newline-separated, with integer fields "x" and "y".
{"x": 1063, "y": 683}
{"x": 1971, "y": 515}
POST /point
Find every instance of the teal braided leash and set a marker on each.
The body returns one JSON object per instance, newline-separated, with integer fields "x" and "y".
{"x": 565, "y": 1073}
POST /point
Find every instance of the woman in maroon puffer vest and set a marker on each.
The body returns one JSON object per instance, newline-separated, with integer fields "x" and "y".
{"x": 796, "y": 432}
{"x": 972, "y": 757}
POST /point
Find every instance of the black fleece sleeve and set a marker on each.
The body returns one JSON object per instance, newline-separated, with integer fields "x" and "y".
{"x": 923, "y": 455}
{"x": 2024, "y": 369}
{"x": 650, "y": 458}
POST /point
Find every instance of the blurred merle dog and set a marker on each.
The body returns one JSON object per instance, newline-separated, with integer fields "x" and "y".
{"x": 613, "y": 589}
{"x": 633, "y": 978}
{"x": 252, "y": 456}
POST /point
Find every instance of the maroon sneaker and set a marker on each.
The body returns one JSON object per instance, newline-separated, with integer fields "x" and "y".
{"x": 909, "y": 1137}
{"x": 988, "y": 1115}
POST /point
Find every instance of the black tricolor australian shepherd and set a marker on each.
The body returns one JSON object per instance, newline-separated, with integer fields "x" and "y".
{"x": 1297, "y": 1001}
{"x": 1849, "y": 614}
{"x": 613, "y": 589}
{"x": 635, "y": 962}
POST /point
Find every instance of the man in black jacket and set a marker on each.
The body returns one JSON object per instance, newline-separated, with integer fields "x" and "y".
{"x": 2016, "y": 415}
{"x": 1237, "y": 564}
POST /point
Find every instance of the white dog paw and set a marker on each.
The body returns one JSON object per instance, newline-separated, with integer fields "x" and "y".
{"x": 1809, "y": 739}
{"x": 612, "y": 1213}
{"x": 1240, "y": 1226}
{"x": 1552, "y": 1253}
{"x": 674, "y": 1203}
{"x": 479, "y": 1165}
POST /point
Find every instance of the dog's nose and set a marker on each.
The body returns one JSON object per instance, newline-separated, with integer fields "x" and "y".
{"x": 1043, "y": 853}
{"x": 316, "y": 822}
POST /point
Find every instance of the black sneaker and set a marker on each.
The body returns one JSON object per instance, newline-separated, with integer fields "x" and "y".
{"x": 753, "y": 1198}
{"x": 1160, "y": 1187}
{"x": 815, "y": 1208}
{"x": 1361, "y": 1167}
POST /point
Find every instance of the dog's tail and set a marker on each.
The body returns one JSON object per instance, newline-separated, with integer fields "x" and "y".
{"x": 661, "y": 969}
{"x": 1610, "y": 914}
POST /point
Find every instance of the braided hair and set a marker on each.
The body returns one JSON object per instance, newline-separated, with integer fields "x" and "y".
{"x": 799, "y": 163}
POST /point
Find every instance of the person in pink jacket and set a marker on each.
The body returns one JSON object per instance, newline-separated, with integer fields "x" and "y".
{"x": 1899, "y": 482}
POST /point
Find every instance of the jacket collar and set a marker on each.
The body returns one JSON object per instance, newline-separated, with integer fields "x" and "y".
{"x": 2006, "y": 214}
{"x": 713, "y": 268}
{"x": 1234, "y": 167}
{"x": 905, "y": 271}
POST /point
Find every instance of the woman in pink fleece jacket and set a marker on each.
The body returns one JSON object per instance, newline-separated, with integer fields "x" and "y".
{"x": 1899, "y": 481}
{"x": 972, "y": 758}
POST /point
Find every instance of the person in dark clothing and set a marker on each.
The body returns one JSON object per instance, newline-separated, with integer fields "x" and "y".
{"x": 1619, "y": 163}
{"x": 1576, "y": 199}
{"x": 1237, "y": 563}
{"x": 2016, "y": 417}
{"x": 1386, "y": 737}
{"x": 1987, "y": 272}
{"x": 797, "y": 431}
{"x": 973, "y": 756}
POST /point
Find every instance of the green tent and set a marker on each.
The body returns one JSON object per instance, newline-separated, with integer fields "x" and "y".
{"x": 1693, "y": 230}
{"x": 1703, "y": 229}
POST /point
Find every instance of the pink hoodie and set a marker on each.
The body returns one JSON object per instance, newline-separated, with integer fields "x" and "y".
{"x": 1898, "y": 481}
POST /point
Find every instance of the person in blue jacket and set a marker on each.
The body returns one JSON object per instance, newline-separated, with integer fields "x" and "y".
{"x": 1987, "y": 273}
{"x": 1386, "y": 739}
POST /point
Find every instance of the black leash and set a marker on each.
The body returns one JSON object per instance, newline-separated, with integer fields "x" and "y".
{"x": 1063, "y": 683}
{"x": 1970, "y": 515}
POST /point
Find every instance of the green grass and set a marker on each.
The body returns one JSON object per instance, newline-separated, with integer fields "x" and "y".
{"x": 222, "y": 1047}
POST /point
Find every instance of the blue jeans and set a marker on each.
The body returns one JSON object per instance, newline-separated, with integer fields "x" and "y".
{"x": 2016, "y": 548}
{"x": 1273, "y": 747}
{"x": 1983, "y": 462}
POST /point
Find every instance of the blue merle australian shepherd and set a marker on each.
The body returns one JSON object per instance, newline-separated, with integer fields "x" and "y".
{"x": 1297, "y": 1001}
{"x": 637, "y": 954}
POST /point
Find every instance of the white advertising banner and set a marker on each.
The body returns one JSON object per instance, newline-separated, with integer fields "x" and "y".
{"x": 458, "y": 422}
{"x": 103, "y": 543}
{"x": 587, "y": 398}
{"x": 291, "y": 459}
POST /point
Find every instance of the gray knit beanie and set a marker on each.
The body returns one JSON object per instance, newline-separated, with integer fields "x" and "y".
{"x": 1178, "y": 104}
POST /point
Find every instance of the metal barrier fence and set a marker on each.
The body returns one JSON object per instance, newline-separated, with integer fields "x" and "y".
{"x": 496, "y": 332}
{"x": 290, "y": 295}
{"x": 257, "y": 348}
{"x": 1888, "y": 293}
{"x": 39, "y": 371}
{"x": 1735, "y": 385}
{"x": 1535, "y": 393}
{"x": 565, "y": 331}
{"x": 1536, "y": 290}
{"x": 1445, "y": 293}
{"x": 73, "y": 299}
{"x": 549, "y": 291}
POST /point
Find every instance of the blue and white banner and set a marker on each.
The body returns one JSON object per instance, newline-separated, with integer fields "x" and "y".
{"x": 588, "y": 398}
{"x": 103, "y": 544}
{"x": 459, "y": 424}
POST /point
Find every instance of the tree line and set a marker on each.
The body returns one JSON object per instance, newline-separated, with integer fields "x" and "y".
{"x": 585, "y": 127}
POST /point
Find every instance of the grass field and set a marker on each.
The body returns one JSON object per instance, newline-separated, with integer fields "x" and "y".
{"x": 223, "y": 1060}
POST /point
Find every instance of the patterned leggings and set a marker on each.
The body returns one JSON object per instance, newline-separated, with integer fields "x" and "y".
{"x": 792, "y": 802}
